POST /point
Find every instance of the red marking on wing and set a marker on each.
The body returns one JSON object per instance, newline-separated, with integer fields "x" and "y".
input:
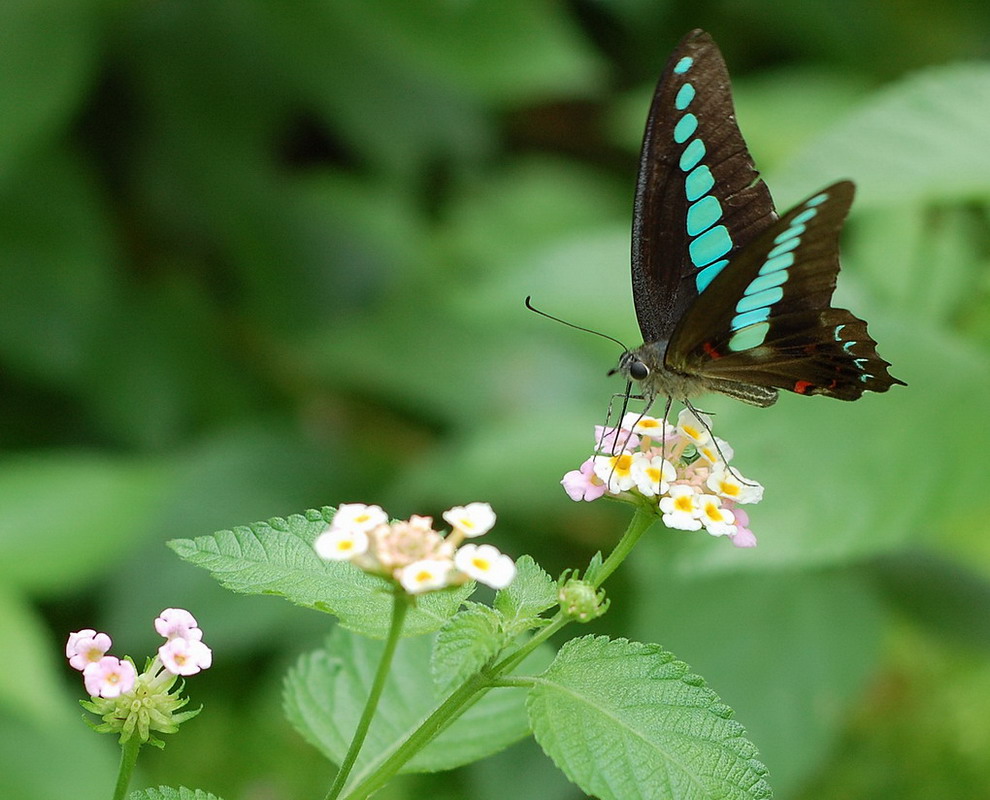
{"x": 711, "y": 351}
{"x": 801, "y": 387}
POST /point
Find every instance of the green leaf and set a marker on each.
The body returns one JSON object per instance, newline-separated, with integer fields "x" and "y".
{"x": 277, "y": 557}
{"x": 922, "y": 139}
{"x": 530, "y": 593}
{"x": 64, "y": 517}
{"x": 624, "y": 719}
{"x": 48, "y": 52}
{"x": 466, "y": 643}
{"x": 326, "y": 690}
{"x": 824, "y": 629}
{"x": 168, "y": 793}
{"x": 948, "y": 599}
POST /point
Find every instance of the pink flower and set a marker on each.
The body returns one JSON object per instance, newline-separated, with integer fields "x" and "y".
{"x": 743, "y": 537}
{"x": 185, "y": 656}
{"x": 177, "y": 623}
{"x": 612, "y": 440}
{"x": 86, "y": 647}
{"x": 582, "y": 484}
{"x": 109, "y": 677}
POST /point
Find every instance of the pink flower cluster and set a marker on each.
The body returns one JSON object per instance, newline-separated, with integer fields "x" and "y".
{"x": 681, "y": 470}
{"x": 108, "y": 676}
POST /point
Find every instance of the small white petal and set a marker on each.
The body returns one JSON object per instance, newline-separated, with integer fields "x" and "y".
{"x": 474, "y": 519}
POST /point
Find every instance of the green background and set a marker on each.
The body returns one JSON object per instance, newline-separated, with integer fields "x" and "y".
{"x": 262, "y": 256}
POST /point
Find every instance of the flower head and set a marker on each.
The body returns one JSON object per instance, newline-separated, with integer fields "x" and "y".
{"x": 185, "y": 656}
{"x": 109, "y": 677}
{"x": 422, "y": 576}
{"x": 417, "y": 557}
{"x": 340, "y": 544}
{"x": 681, "y": 471}
{"x": 133, "y": 704}
{"x": 485, "y": 564}
{"x": 175, "y": 623}
{"x": 582, "y": 483}
{"x": 86, "y": 647}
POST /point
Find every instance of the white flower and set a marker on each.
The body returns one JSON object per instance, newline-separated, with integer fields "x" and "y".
{"x": 681, "y": 509}
{"x": 652, "y": 473}
{"x": 109, "y": 677}
{"x": 718, "y": 521}
{"x": 340, "y": 544}
{"x": 357, "y": 516}
{"x": 645, "y": 426}
{"x": 694, "y": 427}
{"x": 424, "y": 575}
{"x": 185, "y": 656}
{"x": 486, "y": 565}
{"x": 471, "y": 520}
{"x": 718, "y": 451}
{"x": 726, "y": 483}
{"x": 615, "y": 472}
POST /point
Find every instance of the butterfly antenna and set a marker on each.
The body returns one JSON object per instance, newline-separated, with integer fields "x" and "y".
{"x": 531, "y": 307}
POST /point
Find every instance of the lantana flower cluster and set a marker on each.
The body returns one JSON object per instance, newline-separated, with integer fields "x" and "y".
{"x": 412, "y": 553}
{"x": 140, "y": 703}
{"x": 682, "y": 470}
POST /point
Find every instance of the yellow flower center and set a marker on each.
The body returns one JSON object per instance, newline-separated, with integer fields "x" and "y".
{"x": 691, "y": 432}
{"x": 423, "y": 576}
{"x": 730, "y": 489}
{"x": 684, "y": 503}
{"x": 655, "y": 474}
{"x": 621, "y": 464}
{"x": 345, "y": 545}
{"x": 482, "y": 564}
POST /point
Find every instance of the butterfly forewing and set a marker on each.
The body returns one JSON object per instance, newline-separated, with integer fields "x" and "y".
{"x": 767, "y": 320}
{"x": 699, "y": 199}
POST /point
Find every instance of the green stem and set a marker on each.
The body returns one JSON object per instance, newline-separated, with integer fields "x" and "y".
{"x": 446, "y": 712}
{"x": 400, "y": 605}
{"x": 128, "y": 758}
{"x": 472, "y": 689}
{"x": 638, "y": 525}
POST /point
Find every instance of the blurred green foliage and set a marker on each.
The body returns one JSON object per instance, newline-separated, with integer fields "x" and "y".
{"x": 261, "y": 256}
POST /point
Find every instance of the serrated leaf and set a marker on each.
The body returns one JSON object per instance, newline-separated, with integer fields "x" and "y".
{"x": 169, "y": 793}
{"x": 468, "y": 640}
{"x": 277, "y": 557}
{"x": 530, "y": 593}
{"x": 326, "y": 690}
{"x": 920, "y": 140}
{"x": 624, "y": 719}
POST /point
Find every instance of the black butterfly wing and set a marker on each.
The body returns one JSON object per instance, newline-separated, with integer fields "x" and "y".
{"x": 767, "y": 319}
{"x": 699, "y": 198}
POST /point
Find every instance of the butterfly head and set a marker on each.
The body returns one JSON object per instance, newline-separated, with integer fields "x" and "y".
{"x": 631, "y": 366}
{"x": 645, "y": 366}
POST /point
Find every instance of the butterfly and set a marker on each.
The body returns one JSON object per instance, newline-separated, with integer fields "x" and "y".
{"x": 730, "y": 297}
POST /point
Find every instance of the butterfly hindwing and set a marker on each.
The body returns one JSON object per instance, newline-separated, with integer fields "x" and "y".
{"x": 699, "y": 199}
{"x": 767, "y": 320}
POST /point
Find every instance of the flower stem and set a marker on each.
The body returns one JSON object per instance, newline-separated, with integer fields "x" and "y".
{"x": 400, "y": 605}
{"x": 128, "y": 758}
{"x": 455, "y": 705}
{"x": 474, "y": 687}
{"x": 638, "y": 525}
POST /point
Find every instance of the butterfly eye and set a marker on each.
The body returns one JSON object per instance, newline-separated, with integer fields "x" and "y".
{"x": 638, "y": 370}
